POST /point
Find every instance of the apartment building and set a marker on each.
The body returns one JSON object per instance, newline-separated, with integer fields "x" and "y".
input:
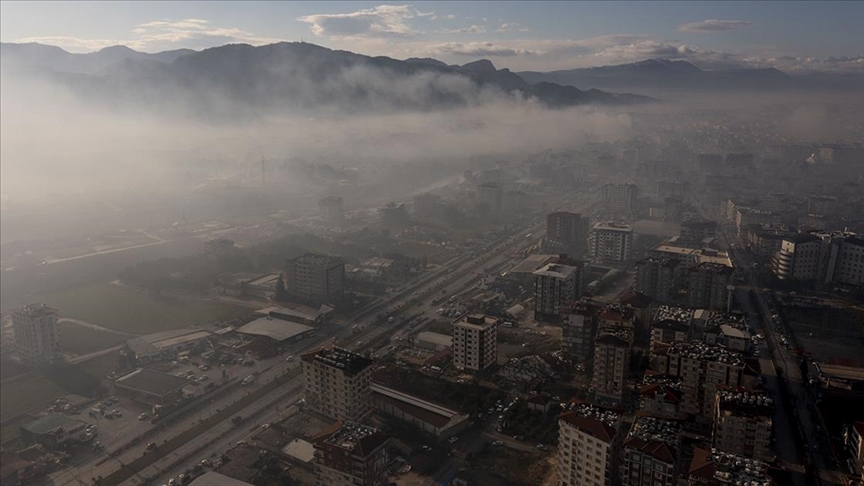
{"x": 566, "y": 233}
{"x": 660, "y": 396}
{"x": 708, "y": 286}
{"x": 587, "y": 446}
{"x": 669, "y": 331}
{"x": 853, "y": 441}
{"x": 556, "y": 289}
{"x": 337, "y": 383}
{"x": 491, "y": 195}
{"x": 315, "y": 277}
{"x": 702, "y": 368}
{"x": 822, "y": 257}
{"x": 657, "y": 277}
{"x": 651, "y": 453}
{"x": 475, "y": 342}
{"x": 34, "y": 328}
{"x": 620, "y": 198}
{"x": 715, "y": 468}
{"x": 350, "y": 454}
{"x": 611, "y": 244}
{"x": 611, "y": 361}
{"x": 742, "y": 423}
{"x": 330, "y": 208}
{"x": 577, "y": 342}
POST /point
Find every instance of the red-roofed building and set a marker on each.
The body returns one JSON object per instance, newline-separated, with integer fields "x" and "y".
{"x": 651, "y": 453}
{"x": 660, "y": 399}
{"x": 723, "y": 469}
{"x": 587, "y": 446}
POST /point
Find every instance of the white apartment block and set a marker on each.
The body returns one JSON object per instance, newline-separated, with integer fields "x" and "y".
{"x": 475, "y": 342}
{"x": 337, "y": 383}
{"x": 611, "y": 243}
{"x": 35, "y": 331}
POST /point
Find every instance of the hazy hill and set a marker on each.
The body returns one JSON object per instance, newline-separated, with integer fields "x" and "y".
{"x": 242, "y": 78}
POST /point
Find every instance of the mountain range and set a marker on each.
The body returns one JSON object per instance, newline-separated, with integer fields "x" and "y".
{"x": 239, "y": 78}
{"x": 663, "y": 74}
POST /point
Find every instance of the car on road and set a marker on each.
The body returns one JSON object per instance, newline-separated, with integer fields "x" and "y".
{"x": 249, "y": 379}
{"x": 117, "y": 413}
{"x": 236, "y": 419}
{"x": 519, "y": 437}
{"x": 203, "y": 378}
{"x": 151, "y": 447}
{"x": 144, "y": 416}
{"x": 289, "y": 359}
{"x": 204, "y": 367}
{"x": 497, "y": 443}
{"x": 542, "y": 447}
{"x": 453, "y": 439}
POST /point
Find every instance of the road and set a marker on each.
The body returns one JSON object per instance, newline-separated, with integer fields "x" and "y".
{"x": 415, "y": 299}
{"x": 818, "y": 451}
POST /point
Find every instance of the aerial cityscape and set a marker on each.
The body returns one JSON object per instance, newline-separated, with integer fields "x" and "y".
{"x": 439, "y": 243}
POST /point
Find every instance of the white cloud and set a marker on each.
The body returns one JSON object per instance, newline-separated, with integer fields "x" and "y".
{"x": 474, "y": 29}
{"x": 508, "y": 26}
{"x": 162, "y": 35}
{"x": 480, "y": 49}
{"x": 712, "y": 25}
{"x": 381, "y": 21}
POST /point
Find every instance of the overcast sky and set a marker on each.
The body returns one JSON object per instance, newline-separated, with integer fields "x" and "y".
{"x": 794, "y": 36}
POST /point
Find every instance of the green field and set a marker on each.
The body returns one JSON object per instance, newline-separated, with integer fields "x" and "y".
{"x": 134, "y": 311}
{"x": 78, "y": 339}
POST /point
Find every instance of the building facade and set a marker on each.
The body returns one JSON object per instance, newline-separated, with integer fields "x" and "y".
{"x": 566, "y": 233}
{"x": 578, "y": 333}
{"x": 702, "y": 368}
{"x": 34, "y": 328}
{"x": 587, "y": 447}
{"x": 337, "y": 383}
{"x": 556, "y": 289}
{"x": 821, "y": 257}
{"x": 475, "y": 342}
{"x": 742, "y": 423}
{"x": 651, "y": 453}
{"x": 611, "y": 364}
{"x": 315, "y": 277}
{"x": 611, "y": 244}
{"x": 620, "y": 198}
{"x": 350, "y": 454}
{"x": 708, "y": 286}
{"x": 330, "y": 208}
{"x": 657, "y": 277}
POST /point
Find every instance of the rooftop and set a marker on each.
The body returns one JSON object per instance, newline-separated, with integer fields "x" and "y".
{"x": 276, "y": 329}
{"x": 532, "y": 263}
{"x": 655, "y": 437}
{"x": 666, "y": 312}
{"x": 706, "y": 352}
{"x": 624, "y": 228}
{"x": 150, "y": 381}
{"x": 429, "y": 412}
{"x": 435, "y": 338}
{"x": 745, "y": 402}
{"x": 713, "y": 267}
{"x": 51, "y": 422}
{"x": 154, "y": 343}
{"x": 596, "y": 421}
{"x": 728, "y": 468}
{"x": 37, "y": 310}
{"x": 475, "y": 321}
{"x": 556, "y": 271}
{"x": 346, "y": 360}
{"x": 212, "y": 478}
{"x": 353, "y": 437}
{"x": 613, "y": 312}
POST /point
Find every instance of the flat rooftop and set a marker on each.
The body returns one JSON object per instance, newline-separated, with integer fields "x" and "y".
{"x": 435, "y": 338}
{"x": 346, "y": 360}
{"x": 726, "y": 468}
{"x": 557, "y": 271}
{"x": 36, "y": 310}
{"x": 351, "y": 436}
{"x": 745, "y": 402}
{"x": 532, "y": 263}
{"x": 154, "y": 343}
{"x": 153, "y": 382}
{"x": 50, "y": 422}
{"x": 475, "y": 321}
{"x": 706, "y": 352}
{"x": 276, "y": 329}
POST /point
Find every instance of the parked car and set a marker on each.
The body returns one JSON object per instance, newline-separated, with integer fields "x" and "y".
{"x": 236, "y": 419}
{"x": 453, "y": 439}
{"x": 144, "y": 416}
